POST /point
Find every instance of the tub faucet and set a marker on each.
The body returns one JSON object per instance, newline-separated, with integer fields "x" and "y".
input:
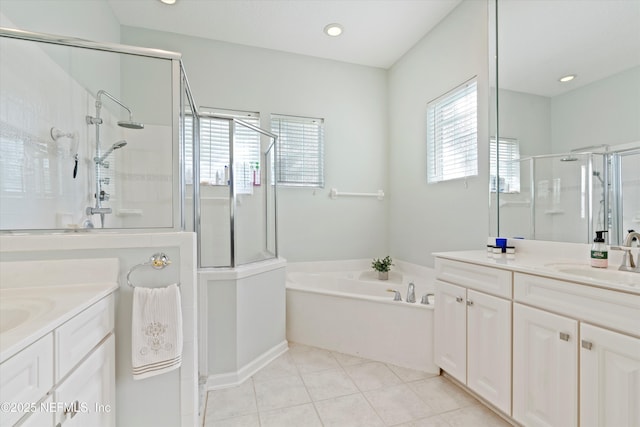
{"x": 396, "y": 295}
{"x": 411, "y": 293}
{"x": 425, "y": 299}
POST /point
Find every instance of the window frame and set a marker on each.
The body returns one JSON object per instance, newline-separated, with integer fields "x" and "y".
{"x": 207, "y": 116}
{"x": 453, "y": 156}
{"x": 291, "y": 151}
{"x": 508, "y": 168}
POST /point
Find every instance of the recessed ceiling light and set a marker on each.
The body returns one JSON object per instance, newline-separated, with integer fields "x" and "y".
{"x": 168, "y": 1}
{"x": 567, "y": 78}
{"x": 333, "y": 30}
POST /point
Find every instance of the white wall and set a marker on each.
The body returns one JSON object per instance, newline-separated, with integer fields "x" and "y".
{"x": 352, "y": 100}
{"x": 450, "y": 215}
{"x": 91, "y": 20}
{"x": 604, "y": 112}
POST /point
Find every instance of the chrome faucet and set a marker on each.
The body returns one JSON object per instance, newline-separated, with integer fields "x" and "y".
{"x": 425, "y": 299}
{"x": 626, "y": 246}
{"x": 411, "y": 293}
{"x": 396, "y": 295}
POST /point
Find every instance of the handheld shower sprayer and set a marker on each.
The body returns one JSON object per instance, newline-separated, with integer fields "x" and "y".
{"x": 101, "y": 160}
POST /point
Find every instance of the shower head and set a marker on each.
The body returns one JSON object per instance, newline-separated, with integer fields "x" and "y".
{"x": 100, "y": 160}
{"x": 130, "y": 124}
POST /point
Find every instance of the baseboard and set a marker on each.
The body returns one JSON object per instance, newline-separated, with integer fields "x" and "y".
{"x": 230, "y": 379}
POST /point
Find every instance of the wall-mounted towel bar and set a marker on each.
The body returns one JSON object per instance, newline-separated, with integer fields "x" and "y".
{"x": 158, "y": 261}
{"x": 334, "y": 194}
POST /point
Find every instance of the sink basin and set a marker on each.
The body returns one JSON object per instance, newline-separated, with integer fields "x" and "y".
{"x": 611, "y": 274}
{"x": 17, "y": 311}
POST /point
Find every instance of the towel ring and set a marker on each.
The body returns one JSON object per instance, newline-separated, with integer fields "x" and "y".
{"x": 158, "y": 261}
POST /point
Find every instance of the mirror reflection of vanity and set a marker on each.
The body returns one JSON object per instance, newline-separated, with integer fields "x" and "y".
{"x": 567, "y": 161}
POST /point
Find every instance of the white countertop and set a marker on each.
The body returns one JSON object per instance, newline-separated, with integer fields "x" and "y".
{"x": 29, "y": 313}
{"x": 552, "y": 266}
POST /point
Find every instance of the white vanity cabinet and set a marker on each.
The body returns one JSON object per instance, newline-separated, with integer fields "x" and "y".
{"x": 557, "y": 342}
{"x": 609, "y": 378}
{"x": 67, "y": 376}
{"x": 473, "y": 328}
{"x": 91, "y": 388}
{"x": 451, "y": 330}
{"x": 545, "y": 368}
{"x": 574, "y": 350}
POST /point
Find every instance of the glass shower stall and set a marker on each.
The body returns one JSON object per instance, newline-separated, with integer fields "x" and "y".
{"x": 231, "y": 194}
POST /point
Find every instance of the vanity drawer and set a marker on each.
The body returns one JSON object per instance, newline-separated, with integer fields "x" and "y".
{"x": 603, "y": 307}
{"x": 77, "y": 337}
{"x": 485, "y": 279}
{"x": 25, "y": 378}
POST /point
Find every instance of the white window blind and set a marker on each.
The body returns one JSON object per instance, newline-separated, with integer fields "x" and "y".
{"x": 452, "y": 134}
{"x": 300, "y": 154}
{"x": 214, "y": 149}
{"x": 506, "y": 167}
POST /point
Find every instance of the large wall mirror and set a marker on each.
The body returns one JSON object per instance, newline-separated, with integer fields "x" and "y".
{"x": 565, "y": 144}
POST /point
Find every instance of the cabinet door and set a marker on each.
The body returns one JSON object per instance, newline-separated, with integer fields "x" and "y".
{"x": 450, "y": 330}
{"x": 91, "y": 386}
{"x": 609, "y": 378}
{"x": 489, "y": 348}
{"x": 545, "y": 368}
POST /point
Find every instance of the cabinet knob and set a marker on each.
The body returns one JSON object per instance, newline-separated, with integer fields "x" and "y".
{"x": 458, "y": 299}
{"x": 469, "y": 303}
{"x": 564, "y": 336}
{"x": 587, "y": 345}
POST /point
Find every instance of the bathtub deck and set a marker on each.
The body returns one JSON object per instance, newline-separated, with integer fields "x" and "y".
{"x": 310, "y": 387}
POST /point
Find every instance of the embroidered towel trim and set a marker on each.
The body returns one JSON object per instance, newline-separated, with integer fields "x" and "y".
{"x": 156, "y": 331}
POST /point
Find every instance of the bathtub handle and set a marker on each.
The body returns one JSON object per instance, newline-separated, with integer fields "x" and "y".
{"x": 396, "y": 296}
{"x": 425, "y": 299}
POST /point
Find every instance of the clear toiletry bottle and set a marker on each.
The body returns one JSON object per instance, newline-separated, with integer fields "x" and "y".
{"x": 599, "y": 254}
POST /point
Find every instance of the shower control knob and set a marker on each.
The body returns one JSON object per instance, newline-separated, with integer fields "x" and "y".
{"x": 104, "y": 196}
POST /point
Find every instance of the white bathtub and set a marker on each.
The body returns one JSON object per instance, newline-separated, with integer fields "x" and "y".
{"x": 342, "y": 306}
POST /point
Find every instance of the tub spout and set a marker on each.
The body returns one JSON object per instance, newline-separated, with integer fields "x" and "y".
{"x": 396, "y": 296}
{"x": 411, "y": 293}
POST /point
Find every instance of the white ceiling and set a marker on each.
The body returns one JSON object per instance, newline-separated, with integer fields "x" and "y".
{"x": 540, "y": 40}
{"x": 376, "y": 32}
{"x": 543, "y": 40}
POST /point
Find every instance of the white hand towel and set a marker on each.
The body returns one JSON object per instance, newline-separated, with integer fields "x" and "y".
{"x": 156, "y": 335}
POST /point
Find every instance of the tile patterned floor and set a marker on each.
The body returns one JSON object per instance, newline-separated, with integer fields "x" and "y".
{"x": 308, "y": 387}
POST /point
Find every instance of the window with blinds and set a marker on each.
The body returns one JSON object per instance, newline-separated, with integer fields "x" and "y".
{"x": 214, "y": 148}
{"x": 506, "y": 166}
{"x": 452, "y": 134}
{"x": 300, "y": 155}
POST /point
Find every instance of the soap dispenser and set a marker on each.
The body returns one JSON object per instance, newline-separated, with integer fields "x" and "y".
{"x": 599, "y": 254}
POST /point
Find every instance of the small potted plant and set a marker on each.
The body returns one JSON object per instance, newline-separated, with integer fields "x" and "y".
{"x": 382, "y": 266}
